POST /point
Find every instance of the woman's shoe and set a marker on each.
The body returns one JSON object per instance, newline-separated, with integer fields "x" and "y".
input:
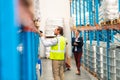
{"x": 78, "y": 73}
{"x": 68, "y": 69}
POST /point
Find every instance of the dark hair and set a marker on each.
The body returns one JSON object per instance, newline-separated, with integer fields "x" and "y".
{"x": 78, "y": 31}
{"x": 60, "y": 29}
{"x": 26, "y": 3}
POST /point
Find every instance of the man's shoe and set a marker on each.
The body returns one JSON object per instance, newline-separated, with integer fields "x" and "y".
{"x": 68, "y": 69}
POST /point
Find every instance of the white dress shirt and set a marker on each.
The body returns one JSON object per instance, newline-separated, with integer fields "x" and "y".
{"x": 76, "y": 39}
{"x": 51, "y": 42}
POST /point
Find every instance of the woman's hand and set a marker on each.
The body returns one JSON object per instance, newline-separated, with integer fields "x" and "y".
{"x": 75, "y": 44}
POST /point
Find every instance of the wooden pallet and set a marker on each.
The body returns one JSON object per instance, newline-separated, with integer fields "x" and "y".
{"x": 109, "y": 22}
{"x": 87, "y": 69}
{"x": 103, "y": 23}
{"x": 88, "y": 25}
{"x": 99, "y": 78}
{"x": 93, "y": 73}
{"x": 116, "y": 21}
{"x": 82, "y": 65}
{"x": 106, "y": 23}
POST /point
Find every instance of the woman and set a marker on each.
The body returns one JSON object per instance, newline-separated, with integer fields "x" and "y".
{"x": 77, "y": 43}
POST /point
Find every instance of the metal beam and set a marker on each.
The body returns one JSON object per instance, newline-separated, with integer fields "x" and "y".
{"x": 71, "y": 9}
{"x": 90, "y": 20}
{"x": 73, "y": 6}
{"x": 76, "y": 12}
{"x": 119, "y": 5}
{"x": 80, "y": 11}
{"x": 28, "y": 51}
{"x": 80, "y": 14}
{"x": 97, "y": 19}
{"x": 9, "y": 57}
{"x": 84, "y": 10}
{"x": 108, "y": 61}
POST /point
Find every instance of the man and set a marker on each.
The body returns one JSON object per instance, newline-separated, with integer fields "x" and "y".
{"x": 57, "y": 52}
{"x": 77, "y": 43}
{"x": 67, "y": 59}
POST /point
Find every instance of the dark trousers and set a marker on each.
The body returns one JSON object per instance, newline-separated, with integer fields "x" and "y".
{"x": 78, "y": 60}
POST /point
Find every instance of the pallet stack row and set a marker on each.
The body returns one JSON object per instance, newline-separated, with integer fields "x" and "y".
{"x": 97, "y": 61}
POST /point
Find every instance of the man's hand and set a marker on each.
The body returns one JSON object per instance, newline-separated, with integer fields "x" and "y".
{"x": 75, "y": 44}
{"x": 41, "y": 34}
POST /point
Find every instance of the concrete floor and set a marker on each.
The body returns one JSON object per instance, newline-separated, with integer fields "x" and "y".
{"x": 69, "y": 75}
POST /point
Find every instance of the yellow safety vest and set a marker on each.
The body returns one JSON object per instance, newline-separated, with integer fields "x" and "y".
{"x": 57, "y": 51}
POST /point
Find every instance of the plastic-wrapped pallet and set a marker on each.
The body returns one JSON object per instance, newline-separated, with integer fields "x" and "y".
{"x": 109, "y": 10}
{"x": 82, "y": 60}
{"x": 51, "y": 24}
{"x": 112, "y": 64}
{"x": 112, "y": 61}
{"x": 86, "y": 57}
{"x": 100, "y": 62}
{"x": 118, "y": 64}
{"x": 91, "y": 56}
{"x": 111, "y": 58}
{"x": 87, "y": 18}
{"x": 37, "y": 14}
{"x": 117, "y": 36}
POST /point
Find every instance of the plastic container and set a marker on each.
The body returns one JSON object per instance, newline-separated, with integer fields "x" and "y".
{"x": 99, "y": 57}
{"x": 113, "y": 69}
{"x": 100, "y": 69}
{"x": 118, "y": 72}
{"x": 112, "y": 53}
{"x": 100, "y": 64}
{"x": 104, "y": 59}
{"x": 117, "y": 77}
{"x": 112, "y": 61}
{"x": 117, "y": 63}
{"x": 100, "y": 76}
{"x": 104, "y": 66}
{"x": 113, "y": 76}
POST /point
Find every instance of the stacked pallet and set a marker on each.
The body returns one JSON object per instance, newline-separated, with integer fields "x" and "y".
{"x": 101, "y": 61}
{"x": 105, "y": 60}
{"x": 99, "y": 56}
{"x": 108, "y": 12}
{"x": 117, "y": 64}
{"x": 90, "y": 57}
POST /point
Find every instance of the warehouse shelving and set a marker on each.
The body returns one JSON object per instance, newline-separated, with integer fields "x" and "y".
{"x": 9, "y": 56}
{"x": 18, "y": 45}
{"x": 95, "y": 31}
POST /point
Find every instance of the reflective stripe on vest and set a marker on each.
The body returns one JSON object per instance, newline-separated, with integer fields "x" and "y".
{"x": 57, "y": 51}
